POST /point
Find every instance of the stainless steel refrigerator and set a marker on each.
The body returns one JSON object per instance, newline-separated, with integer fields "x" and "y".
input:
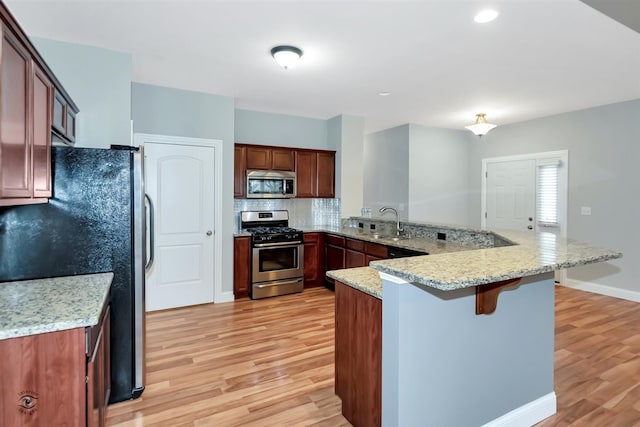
{"x": 95, "y": 222}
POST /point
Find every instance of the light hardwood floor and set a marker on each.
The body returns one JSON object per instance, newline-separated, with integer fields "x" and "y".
{"x": 270, "y": 363}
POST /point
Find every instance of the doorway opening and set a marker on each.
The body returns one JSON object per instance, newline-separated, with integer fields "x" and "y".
{"x": 527, "y": 192}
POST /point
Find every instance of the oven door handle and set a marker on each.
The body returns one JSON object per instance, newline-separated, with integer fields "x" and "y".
{"x": 270, "y": 245}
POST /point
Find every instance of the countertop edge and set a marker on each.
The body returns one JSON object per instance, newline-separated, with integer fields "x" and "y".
{"x": 99, "y": 281}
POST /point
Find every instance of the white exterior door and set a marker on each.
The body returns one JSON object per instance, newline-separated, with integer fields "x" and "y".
{"x": 180, "y": 181}
{"x": 511, "y": 195}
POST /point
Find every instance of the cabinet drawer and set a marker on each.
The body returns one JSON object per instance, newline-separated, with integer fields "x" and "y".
{"x": 311, "y": 237}
{"x": 356, "y": 245}
{"x": 332, "y": 239}
{"x": 379, "y": 251}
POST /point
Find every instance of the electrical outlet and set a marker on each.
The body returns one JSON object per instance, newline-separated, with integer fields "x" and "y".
{"x": 585, "y": 210}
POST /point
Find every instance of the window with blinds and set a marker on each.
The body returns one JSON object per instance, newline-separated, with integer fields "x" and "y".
{"x": 547, "y": 193}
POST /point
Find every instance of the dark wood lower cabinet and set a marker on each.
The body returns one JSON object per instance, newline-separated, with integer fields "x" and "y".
{"x": 58, "y": 378}
{"x": 241, "y": 266}
{"x": 313, "y": 259}
{"x": 358, "y": 355}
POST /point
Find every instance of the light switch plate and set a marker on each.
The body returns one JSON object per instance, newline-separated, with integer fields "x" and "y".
{"x": 585, "y": 210}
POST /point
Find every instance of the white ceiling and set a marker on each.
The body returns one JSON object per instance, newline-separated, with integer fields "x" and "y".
{"x": 540, "y": 57}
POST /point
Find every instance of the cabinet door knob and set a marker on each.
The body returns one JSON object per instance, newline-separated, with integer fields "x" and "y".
{"x": 209, "y": 232}
{"x": 530, "y": 227}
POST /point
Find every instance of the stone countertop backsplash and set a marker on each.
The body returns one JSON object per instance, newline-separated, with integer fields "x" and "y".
{"x": 30, "y": 307}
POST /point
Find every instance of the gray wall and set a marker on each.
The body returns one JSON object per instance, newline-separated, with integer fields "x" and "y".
{"x": 439, "y": 175}
{"x": 604, "y": 151}
{"x": 257, "y": 127}
{"x": 166, "y": 111}
{"x": 99, "y": 81}
{"x": 352, "y": 165}
{"x": 386, "y": 170}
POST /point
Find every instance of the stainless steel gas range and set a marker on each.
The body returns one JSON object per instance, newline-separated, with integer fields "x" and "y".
{"x": 277, "y": 253}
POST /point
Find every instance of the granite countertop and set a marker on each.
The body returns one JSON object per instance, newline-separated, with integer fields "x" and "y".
{"x": 429, "y": 246}
{"x": 30, "y": 307}
{"x": 531, "y": 254}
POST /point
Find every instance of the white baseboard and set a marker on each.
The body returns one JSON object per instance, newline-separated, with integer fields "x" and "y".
{"x": 609, "y": 291}
{"x": 529, "y": 414}
{"x": 224, "y": 297}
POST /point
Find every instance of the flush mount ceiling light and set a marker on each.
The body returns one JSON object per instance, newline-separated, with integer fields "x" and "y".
{"x": 286, "y": 56}
{"x": 481, "y": 126}
{"x": 485, "y": 16}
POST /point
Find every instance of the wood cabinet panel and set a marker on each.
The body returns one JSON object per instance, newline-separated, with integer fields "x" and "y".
{"x": 258, "y": 158}
{"x": 15, "y": 110}
{"x": 326, "y": 186}
{"x": 376, "y": 250}
{"x": 305, "y": 174}
{"x": 315, "y": 173}
{"x": 283, "y": 159}
{"x": 70, "y": 129}
{"x": 356, "y": 245}
{"x": 41, "y": 149}
{"x": 99, "y": 376}
{"x": 358, "y": 355}
{"x": 353, "y": 258}
{"x": 332, "y": 239}
{"x": 43, "y": 379}
{"x": 241, "y": 266}
{"x": 59, "y": 113}
{"x": 313, "y": 259}
{"x": 239, "y": 172}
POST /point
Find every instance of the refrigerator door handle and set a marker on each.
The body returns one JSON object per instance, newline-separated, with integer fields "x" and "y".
{"x": 151, "y": 229}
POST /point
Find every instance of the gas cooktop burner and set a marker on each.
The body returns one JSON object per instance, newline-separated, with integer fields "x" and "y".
{"x": 271, "y": 230}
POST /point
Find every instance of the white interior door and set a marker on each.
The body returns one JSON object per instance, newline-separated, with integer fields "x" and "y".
{"x": 180, "y": 182}
{"x": 511, "y": 195}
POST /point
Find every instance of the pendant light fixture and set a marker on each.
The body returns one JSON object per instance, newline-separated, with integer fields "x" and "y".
{"x": 286, "y": 56}
{"x": 481, "y": 126}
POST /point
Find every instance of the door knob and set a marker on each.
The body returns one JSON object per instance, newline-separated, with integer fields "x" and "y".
{"x": 530, "y": 227}
{"x": 209, "y": 232}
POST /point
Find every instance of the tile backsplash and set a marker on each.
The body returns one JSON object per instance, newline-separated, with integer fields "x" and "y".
{"x": 303, "y": 213}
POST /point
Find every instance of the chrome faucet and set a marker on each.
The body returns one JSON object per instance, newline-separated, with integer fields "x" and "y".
{"x": 388, "y": 208}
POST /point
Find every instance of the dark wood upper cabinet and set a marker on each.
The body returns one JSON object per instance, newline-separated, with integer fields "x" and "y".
{"x": 16, "y": 180}
{"x": 283, "y": 159}
{"x": 270, "y": 158}
{"x": 326, "y": 174}
{"x": 306, "y": 174}
{"x": 258, "y": 158}
{"x": 28, "y": 116}
{"x": 41, "y": 150}
{"x": 315, "y": 173}
{"x": 239, "y": 171}
{"x": 315, "y": 169}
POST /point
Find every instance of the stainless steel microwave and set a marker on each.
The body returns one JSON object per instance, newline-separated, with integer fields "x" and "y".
{"x": 270, "y": 184}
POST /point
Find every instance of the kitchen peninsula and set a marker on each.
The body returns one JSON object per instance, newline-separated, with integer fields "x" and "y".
{"x": 452, "y": 339}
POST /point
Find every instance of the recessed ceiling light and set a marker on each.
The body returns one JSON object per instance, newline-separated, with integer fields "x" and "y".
{"x": 485, "y": 16}
{"x": 384, "y": 93}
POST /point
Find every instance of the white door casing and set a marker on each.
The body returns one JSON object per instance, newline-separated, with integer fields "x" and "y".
{"x": 180, "y": 178}
{"x": 511, "y": 197}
